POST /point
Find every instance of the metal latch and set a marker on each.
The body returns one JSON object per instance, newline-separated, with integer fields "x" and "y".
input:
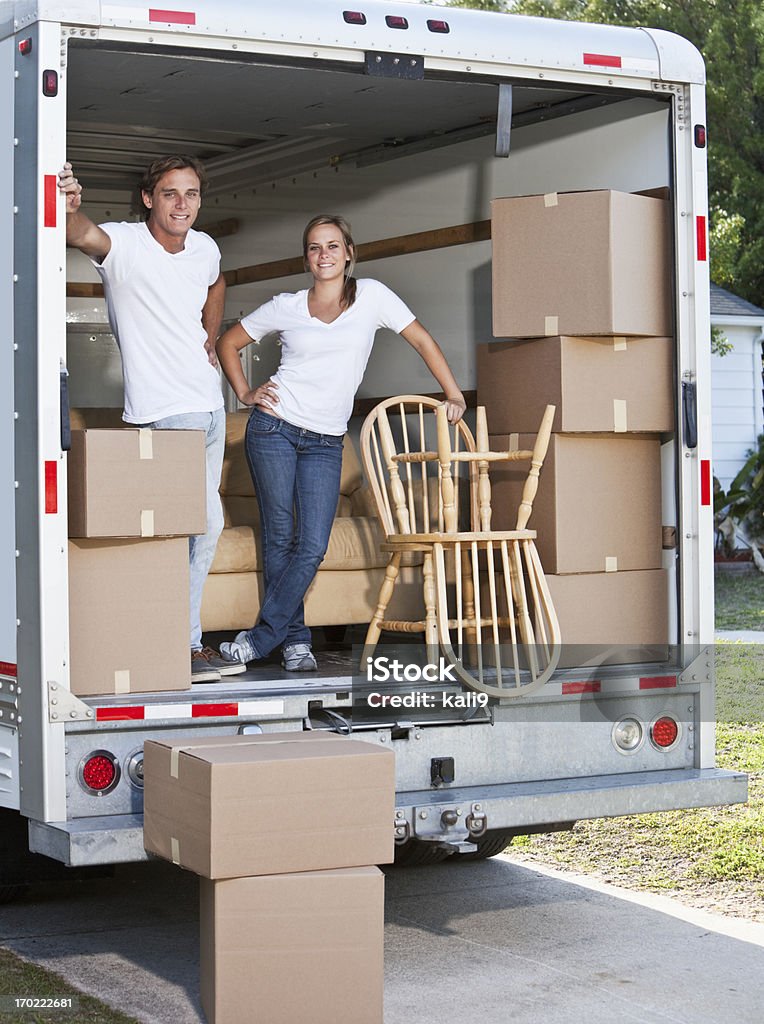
{"x": 690, "y": 414}
{"x": 63, "y": 706}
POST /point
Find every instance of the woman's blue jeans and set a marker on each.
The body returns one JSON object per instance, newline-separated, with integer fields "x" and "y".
{"x": 296, "y": 473}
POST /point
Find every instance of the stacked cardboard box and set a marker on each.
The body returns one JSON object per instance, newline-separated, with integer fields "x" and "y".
{"x": 134, "y": 498}
{"x": 584, "y": 279}
{"x": 285, "y": 830}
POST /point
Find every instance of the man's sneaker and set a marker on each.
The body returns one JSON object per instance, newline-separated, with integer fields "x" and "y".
{"x": 298, "y": 658}
{"x": 201, "y": 670}
{"x": 239, "y": 651}
{"x": 225, "y": 668}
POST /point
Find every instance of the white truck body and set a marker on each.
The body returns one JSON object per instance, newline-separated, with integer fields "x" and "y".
{"x": 286, "y": 104}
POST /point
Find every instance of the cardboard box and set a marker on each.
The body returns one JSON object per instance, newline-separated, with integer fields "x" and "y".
{"x": 293, "y": 948}
{"x": 597, "y": 384}
{"x": 231, "y": 806}
{"x": 129, "y": 616}
{"x": 137, "y": 483}
{"x": 581, "y": 263}
{"x": 598, "y": 505}
{"x": 611, "y": 618}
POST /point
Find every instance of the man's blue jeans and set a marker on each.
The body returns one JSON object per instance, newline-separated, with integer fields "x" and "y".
{"x": 296, "y": 473}
{"x": 201, "y": 549}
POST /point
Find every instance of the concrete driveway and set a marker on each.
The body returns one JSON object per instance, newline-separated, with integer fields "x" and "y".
{"x": 489, "y": 943}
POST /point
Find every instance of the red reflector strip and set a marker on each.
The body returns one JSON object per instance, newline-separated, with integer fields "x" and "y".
{"x": 657, "y": 682}
{"x": 213, "y": 710}
{"x": 7, "y": 668}
{"x": 592, "y": 686}
{"x": 602, "y": 60}
{"x": 700, "y": 231}
{"x": 119, "y": 714}
{"x": 705, "y": 481}
{"x": 51, "y": 487}
{"x": 50, "y": 195}
{"x": 173, "y": 17}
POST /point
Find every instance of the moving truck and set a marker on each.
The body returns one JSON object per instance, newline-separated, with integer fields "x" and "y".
{"x": 410, "y": 120}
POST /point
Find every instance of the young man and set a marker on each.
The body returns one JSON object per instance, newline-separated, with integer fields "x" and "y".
{"x": 164, "y": 295}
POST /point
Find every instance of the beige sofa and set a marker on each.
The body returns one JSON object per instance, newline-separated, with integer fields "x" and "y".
{"x": 347, "y": 584}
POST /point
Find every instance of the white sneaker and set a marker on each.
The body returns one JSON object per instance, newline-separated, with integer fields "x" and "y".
{"x": 240, "y": 650}
{"x": 298, "y": 658}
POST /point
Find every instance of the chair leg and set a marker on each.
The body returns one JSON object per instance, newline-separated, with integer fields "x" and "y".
{"x": 430, "y": 615}
{"x": 383, "y": 600}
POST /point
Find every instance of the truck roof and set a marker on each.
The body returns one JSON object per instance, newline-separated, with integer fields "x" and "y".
{"x": 547, "y": 46}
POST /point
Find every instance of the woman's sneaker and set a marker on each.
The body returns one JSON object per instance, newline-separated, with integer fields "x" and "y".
{"x": 239, "y": 651}
{"x": 298, "y": 658}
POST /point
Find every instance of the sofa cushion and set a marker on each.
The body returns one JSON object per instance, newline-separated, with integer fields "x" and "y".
{"x": 353, "y": 544}
{"x": 236, "y": 551}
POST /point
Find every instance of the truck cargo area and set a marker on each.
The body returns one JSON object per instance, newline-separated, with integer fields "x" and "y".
{"x": 412, "y": 136}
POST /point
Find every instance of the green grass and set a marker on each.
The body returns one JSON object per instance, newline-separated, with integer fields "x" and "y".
{"x": 739, "y": 600}
{"x": 711, "y": 857}
{"x": 19, "y": 978}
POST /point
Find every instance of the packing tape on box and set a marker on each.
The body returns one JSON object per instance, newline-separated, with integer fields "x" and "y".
{"x": 611, "y": 564}
{"x": 175, "y": 850}
{"x": 551, "y": 326}
{"x": 145, "y": 443}
{"x": 175, "y": 752}
{"x": 122, "y": 680}
{"x": 147, "y": 522}
{"x": 550, "y": 199}
{"x": 514, "y": 443}
{"x": 619, "y": 345}
{"x": 619, "y": 416}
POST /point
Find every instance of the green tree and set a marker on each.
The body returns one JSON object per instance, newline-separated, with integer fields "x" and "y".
{"x": 730, "y": 35}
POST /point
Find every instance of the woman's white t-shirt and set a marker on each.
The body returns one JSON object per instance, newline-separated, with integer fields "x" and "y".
{"x": 154, "y": 300}
{"x": 322, "y": 364}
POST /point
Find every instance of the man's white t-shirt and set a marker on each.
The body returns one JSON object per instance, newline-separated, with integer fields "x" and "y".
{"x": 154, "y": 300}
{"x": 322, "y": 364}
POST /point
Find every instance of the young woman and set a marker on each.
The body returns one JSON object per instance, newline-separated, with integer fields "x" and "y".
{"x": 295, "y": 431}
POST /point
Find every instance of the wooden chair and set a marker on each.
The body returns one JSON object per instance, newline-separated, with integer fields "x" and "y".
{"x": 433, "y": 497}
{"x": 496, "y": 622}
{"x": 400, "y": 459}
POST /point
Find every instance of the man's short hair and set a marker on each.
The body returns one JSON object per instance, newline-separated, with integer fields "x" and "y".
{"x": 164, "y": 164}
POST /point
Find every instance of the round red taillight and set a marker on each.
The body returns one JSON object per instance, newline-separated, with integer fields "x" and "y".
{"x": 664, "y": 732}
{"x": 99, "y": 772}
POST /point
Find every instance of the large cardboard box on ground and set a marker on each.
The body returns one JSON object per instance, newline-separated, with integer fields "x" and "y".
{"x": 611, "y": 618}
{"x": 293, "y": 948}
{"x": 129, "y": 616}
{"x": 598, "y": 505}
{"x": 231, "y": 806}
{"x": 581, "y": 263}
{"x": 597, "y": 384}
{"x": 137, "y": 483}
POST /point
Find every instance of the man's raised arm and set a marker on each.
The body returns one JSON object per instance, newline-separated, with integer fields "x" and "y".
{"x": 81, "y": 232}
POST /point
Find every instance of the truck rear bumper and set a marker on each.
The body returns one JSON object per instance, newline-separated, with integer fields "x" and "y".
{"x": 118, "y": 839}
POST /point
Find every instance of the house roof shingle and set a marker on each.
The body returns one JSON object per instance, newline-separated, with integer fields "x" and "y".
{"x": 724, "y": 303}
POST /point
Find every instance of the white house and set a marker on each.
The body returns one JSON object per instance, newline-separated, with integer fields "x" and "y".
{"x": 736, "y": 383}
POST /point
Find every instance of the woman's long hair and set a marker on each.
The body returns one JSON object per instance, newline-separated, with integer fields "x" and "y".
{"x": 349, "y": 286}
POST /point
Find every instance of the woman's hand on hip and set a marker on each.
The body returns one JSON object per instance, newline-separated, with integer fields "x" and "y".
{"x": 264, "y": 395}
